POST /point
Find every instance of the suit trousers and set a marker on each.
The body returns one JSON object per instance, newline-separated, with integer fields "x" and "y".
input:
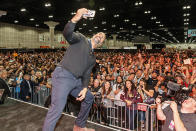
{"x": 63, "y": 84}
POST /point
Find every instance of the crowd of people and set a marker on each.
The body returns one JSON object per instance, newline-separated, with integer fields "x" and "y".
{"x": 119, "y": 79}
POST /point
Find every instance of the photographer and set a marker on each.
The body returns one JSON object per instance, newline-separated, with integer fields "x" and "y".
{"x": 179, "y": 118}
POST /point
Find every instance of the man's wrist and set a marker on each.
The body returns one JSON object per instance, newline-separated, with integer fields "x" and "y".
{"x": 73, "y": 21}
{"x": 85, "y": 88}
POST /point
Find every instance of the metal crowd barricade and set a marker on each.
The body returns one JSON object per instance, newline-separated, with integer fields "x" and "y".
{"x": 38, "y": 95}
{"x": 139, "y": 117}
{"x": 120, "y": 117}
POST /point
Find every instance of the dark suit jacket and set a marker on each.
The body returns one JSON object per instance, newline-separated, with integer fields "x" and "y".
{"x": 25, "y": 89}
{"x": 3, "y": 85}
{"x": 78, "y": 58}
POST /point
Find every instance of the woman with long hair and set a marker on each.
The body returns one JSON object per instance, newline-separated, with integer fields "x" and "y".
{"x": 131, "y": 98}
{"x": 107, "y": 98}
{"x": 118, "y": 89}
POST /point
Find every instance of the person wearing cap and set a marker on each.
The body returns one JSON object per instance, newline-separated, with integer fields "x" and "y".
{"x": 72, "y": 75}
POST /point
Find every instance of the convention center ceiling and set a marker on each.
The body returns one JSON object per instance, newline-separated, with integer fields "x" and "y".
{"x": 164, "y": 21}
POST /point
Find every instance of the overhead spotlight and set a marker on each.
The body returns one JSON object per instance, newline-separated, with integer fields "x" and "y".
{"x": 80, "y": 28}
{"x": 89, "y": 30}
{"x": 73, "y": 13}
{"x": 140, "y": 3}
{"x": 136, "y": 3}
{"x": 37, "y": 25}
{"x": 47, "y": 4}
{"x": 126, "y": 20}
{"x": 95, "y": 27}
{"x": 134, "y": 24}
{"x": 153, "y": 18}
{"x": 147, "y": 12}
{"x": 32, "y": 19}
{"x": 158, "y": 22}
{"x": 16, "y": 21}
{"x": 23, "y": 10}
{"x": 113, "y": 26}
{"x": 116, "y": 15}
{"x": 91, "y": 18}
{"x": 103, "y": 22}
{"x": 104, "y": 29}
{"x": 186, "y": 7}
{"x": 84, "y": 24}
{"x": 50, "y": 16}
{"x": 102, "y": 9}
{"x": 161, "y": 25}
{"x": 121, "y": 28}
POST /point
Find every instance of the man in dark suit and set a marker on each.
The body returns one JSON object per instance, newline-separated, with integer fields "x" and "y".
{"x": 72, "y": 75}
{"x": 26, "y": 86}
{"x": 4, "y": 86}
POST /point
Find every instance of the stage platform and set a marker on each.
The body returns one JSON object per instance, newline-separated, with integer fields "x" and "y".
{"x": 17, "y": 115}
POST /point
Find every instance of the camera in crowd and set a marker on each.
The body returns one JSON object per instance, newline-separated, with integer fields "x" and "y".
{"x": 179, "y": 93}
{"x": 98, "y": 98}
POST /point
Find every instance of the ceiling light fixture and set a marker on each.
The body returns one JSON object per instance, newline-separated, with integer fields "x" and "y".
{"x": 113, "y": 26}
{"x": 16, "y": 21}
{"x": 116, "y": 15}
{"x": 50, "y": 16}
{"x": 37, "y": 25}
{"x": 140, "y": 3}
{"x": 91, "y": 18}
{"x": 102, "y": 8}
{"x": 153, "y": 18}
{"x": 103, "y": 22}
{"x": 161, "y": 25}
{"x": 147, "y": 12}
{"x": 73, "y": 13}
{"x": 23, "y": 10}
{"x": 47, "y": 4}
{"x": 186, "y": 7}
{"x": 32, "y": 19}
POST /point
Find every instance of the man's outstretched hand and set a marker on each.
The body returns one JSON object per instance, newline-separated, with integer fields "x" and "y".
{"x": 79, "y": 15}
{"x": 82, "y": 94}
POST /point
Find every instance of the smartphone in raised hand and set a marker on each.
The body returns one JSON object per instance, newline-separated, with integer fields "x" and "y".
{"x": 91, "y": 13}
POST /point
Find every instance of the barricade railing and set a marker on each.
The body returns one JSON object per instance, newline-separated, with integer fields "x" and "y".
{"x": 38, "y": 95}
{"x": 139, "y": 117}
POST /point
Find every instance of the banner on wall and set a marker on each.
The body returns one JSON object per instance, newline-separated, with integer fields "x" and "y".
{"x": 191, "y": 32}
{"x": 41, "y": 38}
{"x": 60, "y": 38}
